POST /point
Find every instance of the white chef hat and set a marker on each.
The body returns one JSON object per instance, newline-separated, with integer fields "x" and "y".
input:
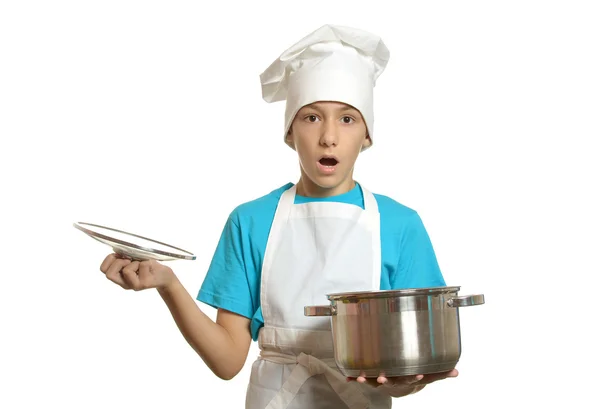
{"x": 333, "y": 63}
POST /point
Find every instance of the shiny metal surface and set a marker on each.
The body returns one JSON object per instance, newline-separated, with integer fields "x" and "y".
{"x": 362, "y": 295}
{"x": 396, "y": 333}
{"x": 133, "y": 246}
{"x": 466, "y": 301}
{"x": 319, "y": 311}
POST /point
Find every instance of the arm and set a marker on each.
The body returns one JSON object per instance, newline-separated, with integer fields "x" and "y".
{"x": 417, "y": 262}
{"x": 223, "y": 345}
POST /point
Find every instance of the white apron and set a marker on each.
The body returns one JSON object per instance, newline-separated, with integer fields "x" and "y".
{"x": 313, "y": 249}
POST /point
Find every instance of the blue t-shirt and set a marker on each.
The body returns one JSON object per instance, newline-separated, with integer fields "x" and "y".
{"x": 233, "y": 278}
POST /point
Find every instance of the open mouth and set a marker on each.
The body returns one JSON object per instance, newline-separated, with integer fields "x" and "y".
{"x": 328, "y": 161}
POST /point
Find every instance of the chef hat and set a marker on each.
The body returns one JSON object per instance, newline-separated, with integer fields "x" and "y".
{"x": 333, "y": 63}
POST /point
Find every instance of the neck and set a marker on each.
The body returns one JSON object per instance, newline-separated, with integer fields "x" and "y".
{"x": 306, "y": 187}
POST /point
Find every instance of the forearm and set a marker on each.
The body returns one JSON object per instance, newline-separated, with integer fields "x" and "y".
{"x": 211, "y": 341}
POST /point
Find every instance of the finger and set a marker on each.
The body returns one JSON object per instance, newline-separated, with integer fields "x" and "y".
{"x": 116, "y": 266}
{"x": 107, "y": 262}
{"x": 146, "y": 269}
{"x": 130, "y": 275}
{"x": 369, "y": 381}
{"x": 429, "y": 378}
{"x": 406, "y": 380}
{"x": 416, "y": 379}
{"x": 114, "y": 272}
{"x": 363, "y": 380}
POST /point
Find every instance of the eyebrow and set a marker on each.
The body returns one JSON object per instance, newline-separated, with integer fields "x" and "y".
{"x": 340, "y": 110}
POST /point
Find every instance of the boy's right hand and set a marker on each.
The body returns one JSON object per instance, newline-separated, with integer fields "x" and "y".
{"x": 136, "y": 275}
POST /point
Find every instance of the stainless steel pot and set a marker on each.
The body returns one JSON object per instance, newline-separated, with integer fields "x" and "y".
{"x": 396, "y": 332}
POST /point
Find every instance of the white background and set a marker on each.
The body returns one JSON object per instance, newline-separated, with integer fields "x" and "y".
{"x": 147, "y": 116}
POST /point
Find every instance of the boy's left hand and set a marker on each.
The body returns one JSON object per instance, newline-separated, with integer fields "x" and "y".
{"x": 405, "y": 385}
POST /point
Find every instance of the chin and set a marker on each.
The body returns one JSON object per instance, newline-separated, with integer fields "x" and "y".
{"x": 327, "y": 182}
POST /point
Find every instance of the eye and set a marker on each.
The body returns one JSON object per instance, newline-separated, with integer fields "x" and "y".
{"x": 347, "y": 119}
{"x": 311, "y": 118}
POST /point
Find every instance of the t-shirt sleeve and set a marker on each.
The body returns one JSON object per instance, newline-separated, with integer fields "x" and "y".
{"x": 417, "y": 265}
{"x": 226, "y": 283}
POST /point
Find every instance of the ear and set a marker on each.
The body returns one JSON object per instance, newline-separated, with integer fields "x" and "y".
{"x": 367, "y": 142}
{"x": 289, "y": 138}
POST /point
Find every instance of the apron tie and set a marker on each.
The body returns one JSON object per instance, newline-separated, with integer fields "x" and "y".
{"x": 308, "y": 366}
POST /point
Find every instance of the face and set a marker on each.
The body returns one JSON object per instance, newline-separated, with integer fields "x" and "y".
{"x": 328, "y": 136}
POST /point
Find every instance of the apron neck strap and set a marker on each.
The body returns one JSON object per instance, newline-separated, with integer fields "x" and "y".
{"x": 370, "y": 202}
{"x": 287, "y": 199}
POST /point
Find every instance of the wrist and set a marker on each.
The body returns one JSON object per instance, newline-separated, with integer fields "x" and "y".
{"x": 170, "y": 285}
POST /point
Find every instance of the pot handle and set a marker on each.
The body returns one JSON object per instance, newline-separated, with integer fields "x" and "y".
{"x": 466, "y": 301}
{"x": 318, "y": 311}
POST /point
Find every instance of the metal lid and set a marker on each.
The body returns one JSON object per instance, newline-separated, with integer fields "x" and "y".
{"x": 393, "y": 293}
{"x": 132, "y": 245}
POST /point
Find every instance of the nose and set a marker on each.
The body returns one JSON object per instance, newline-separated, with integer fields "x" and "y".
{"x": 329, "y": 134}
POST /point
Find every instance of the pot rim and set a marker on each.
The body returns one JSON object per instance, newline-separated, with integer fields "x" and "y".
{"x": 427, "y": 291}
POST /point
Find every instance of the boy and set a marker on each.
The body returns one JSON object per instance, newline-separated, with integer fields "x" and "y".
{"x": 289, "y": 248}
